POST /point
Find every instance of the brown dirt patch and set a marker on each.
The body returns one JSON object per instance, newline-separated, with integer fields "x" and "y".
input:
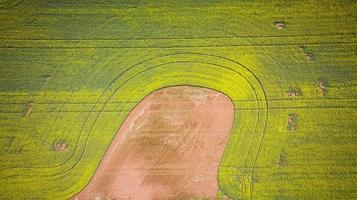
{"x": 59, "y": 145}
{"x": 292, "y": 121}
{"x": 293, "y": 93}
{"x": 322, "y": 88}
{"x": 169, "y": 147}
{"x": 280, "y": 25}
{"x": 27, "y": 110}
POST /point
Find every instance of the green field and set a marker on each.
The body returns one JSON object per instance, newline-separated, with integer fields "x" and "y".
{"x": 71, "y": 71}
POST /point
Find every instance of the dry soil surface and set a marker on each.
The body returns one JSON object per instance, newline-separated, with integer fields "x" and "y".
{"x": 169, "y": 147}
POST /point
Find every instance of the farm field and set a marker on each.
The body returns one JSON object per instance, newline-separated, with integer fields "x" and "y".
{"x": 72, "y": 71}
{"x": 169, "y": 147}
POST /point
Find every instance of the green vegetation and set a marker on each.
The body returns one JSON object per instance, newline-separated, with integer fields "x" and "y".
{"x": 71, "y": 71}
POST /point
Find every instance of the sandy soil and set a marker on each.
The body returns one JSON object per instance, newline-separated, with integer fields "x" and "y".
{"x": 169, "y": 147}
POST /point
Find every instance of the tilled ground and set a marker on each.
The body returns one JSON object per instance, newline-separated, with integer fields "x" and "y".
{"x": 169, "y": 147}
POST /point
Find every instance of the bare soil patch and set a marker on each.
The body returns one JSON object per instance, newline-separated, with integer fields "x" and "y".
{"x": 293, "y": 93}
{"x": 169, "y": 147}
{"x": 280, "y": 25}
{"x": 322, "y": 88}
{"x": 292, "y": 122}
{"x": 27, "y": 110}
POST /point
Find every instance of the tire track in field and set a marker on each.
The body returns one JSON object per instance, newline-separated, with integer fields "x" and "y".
{"x": 142, "y": 62}
{"x": 102, "y": 107}
{"x": 168, "y": 43}
{"x": 110, "y": 96}
{"x": 100, "y": 112}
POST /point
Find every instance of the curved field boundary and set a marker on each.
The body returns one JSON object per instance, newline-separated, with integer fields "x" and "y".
{"x": 251, "y": 153}
{"x": 202, "y": 70}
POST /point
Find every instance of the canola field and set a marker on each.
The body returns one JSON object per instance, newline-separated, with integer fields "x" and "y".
{"x": 71, "y": 71}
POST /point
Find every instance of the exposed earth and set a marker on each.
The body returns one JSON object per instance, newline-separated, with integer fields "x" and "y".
{"x": 169, "y": 147}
